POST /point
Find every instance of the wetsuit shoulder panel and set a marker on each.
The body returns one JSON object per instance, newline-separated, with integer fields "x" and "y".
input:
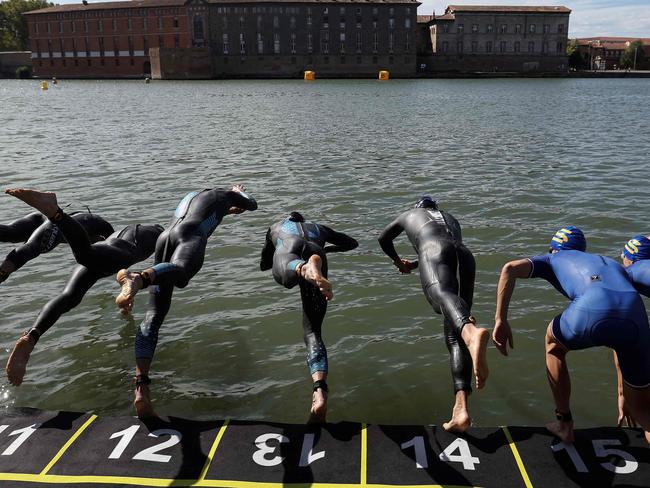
{"x": 184, "y": 205}
{"x": 639, "y": 273}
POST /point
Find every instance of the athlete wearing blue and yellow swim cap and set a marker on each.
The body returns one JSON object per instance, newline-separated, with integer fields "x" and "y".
{"x": 605, "y": 310}
{"x": 636, "y": 259}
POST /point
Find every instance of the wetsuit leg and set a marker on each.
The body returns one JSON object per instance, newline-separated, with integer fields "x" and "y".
{"x": 314, "y": 307}
{"x": 19, "y": 230}
{"x": 80, "y": 282}
{"x": 45, "y": 238}
{"x": 466, "y": 275}
{"x": 284, "y": 268}
{"x": 438, "y": 266}
{"x": 146, "y": 339}
{"x": 186, "y": 260}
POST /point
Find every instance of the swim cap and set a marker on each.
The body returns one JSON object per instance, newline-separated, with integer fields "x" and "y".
{"x": 296, "y": 217}
{"x": 426, "y": 201}
{"x": 568, "y": 237}
{"x": 637, "y": 248}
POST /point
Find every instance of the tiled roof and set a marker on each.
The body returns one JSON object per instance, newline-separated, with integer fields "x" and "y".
{"x": 80, "y": 7}
{"x": 607, "y": 40}
{"x": 507, "y": 9}
{"x": 423, "y": 19}
{"x": 446, "y": 17}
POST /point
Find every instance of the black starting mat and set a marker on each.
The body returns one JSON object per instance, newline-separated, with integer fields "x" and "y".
{"x": 50, "y": 449}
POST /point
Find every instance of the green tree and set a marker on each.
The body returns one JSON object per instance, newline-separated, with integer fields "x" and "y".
{"x": 635, "y": 48}
{"x": 13, "y": 25}
{"x": 576, "y": 60}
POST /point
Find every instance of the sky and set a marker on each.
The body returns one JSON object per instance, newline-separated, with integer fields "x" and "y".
{"x": 589, "y": 18}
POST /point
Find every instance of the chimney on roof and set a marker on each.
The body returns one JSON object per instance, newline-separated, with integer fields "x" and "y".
{"x": 85, "y": 2}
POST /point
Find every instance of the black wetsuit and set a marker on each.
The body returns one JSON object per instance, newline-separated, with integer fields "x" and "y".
{"x": 120, "y": 250}
{"x": 290, "y": 243}
{"x": 180, "y": 251}
{"x": 40, "y": 236}
{"x": 447, "y": 271}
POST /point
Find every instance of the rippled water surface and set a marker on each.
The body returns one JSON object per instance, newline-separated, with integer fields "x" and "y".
{"x": 512, "y": 159}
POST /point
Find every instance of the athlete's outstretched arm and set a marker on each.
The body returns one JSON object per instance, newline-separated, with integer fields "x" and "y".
{"x": 266, "y": 262}
{"x": 340, "y": 242}
{"x": 386, "y": 242}
{"x": 502, "y": 333}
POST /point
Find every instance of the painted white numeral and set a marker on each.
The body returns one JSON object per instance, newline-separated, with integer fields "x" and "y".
{"x": 306, "y": 456}
{"x": 464, "y": 455}
{"x": 24, "y": 435}
{"x": 263, "y": 449}
{"x": 601, "y": 451}
{"x": 127, "y": 436}
{"x": 149, "y": 454}
{"x": 420, "y": 452}
{"x": 573, "y": 454}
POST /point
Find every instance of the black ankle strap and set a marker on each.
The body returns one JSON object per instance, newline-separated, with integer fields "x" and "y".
{"x": 146, "y": 279}
{"x": 320, "y": 384}
{"x": 141, "y": 379}
{"x": 563, "y": 417}
{"x": 58, "y": 215}
{"x": 34, "y": 334}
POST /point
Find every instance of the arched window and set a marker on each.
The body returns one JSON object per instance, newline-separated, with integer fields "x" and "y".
{"x": 198, "y": 28}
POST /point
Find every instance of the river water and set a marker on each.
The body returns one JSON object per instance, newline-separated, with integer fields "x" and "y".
{"x": 513, "y": 160}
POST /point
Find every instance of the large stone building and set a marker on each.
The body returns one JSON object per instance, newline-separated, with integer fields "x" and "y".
{"x": 479, "y": 38}
{"x": 224, "y": 38}
{"x": 602, "y": 53}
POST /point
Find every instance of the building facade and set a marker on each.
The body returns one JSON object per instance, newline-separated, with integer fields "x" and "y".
{"x": 603, "y": 53}
{"x": 225, "y": 38}
{"x": 472, "y": 38}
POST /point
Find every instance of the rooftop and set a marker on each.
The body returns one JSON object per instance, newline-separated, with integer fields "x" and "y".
{"x": 506, "y": 9}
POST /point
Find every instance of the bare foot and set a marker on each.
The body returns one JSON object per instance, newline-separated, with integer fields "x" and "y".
{"x": 131, "y": 283}
{"x": 563, "y": 430}
{"x": 318, "y": 408}
{"x": 44, "y": 202}
{"x": 460, "y": 421}
{"x": 142, "y": 402}
{"x": 477, "y": 346}
{"x": 311, "y": 271}
{"x": 17, "y": 363}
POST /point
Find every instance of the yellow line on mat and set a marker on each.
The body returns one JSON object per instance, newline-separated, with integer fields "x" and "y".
{"x": 515, "y": 453}
{"x": 68, "y": 444}
{"x": 364, "y": 454}
{"x": 213, "y": 449}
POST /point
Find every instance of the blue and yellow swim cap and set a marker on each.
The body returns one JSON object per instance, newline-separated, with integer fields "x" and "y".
{"x": 569, "y": 237}
{"x": 426, "y": 201}
{"x": 637, "y": 248}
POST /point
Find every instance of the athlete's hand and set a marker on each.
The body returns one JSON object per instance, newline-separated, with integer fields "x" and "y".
{"x": 624, "y": 417}
{"x": 404, "y": 266}
{"x": 236, "y": 210}
{"x": 502, "y": 336}
{"x": 238, "y": 188}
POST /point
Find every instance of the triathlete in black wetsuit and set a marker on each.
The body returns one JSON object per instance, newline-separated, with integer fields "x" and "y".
{"x": 296, "y": 252}
{"x": 40, "y": 236}
{"x": 436, "y": 238}
{"x": 180, "y": 251}
{"x": 132, "y": 244}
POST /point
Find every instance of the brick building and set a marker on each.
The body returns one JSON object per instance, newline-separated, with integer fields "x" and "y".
{"x": 605, "y": 52}
{"x": 479, "y": 38}
{"x": 224, "y": 38}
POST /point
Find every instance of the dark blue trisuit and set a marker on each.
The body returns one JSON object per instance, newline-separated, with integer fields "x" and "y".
{"x": 180, "y": 251}
{"x": 447, "y": 272}
{"x": 40, "y": 236}
{"x": 605, "y": 309}
{"x": 290, "y": 243}
{"x": 121, "y": 249}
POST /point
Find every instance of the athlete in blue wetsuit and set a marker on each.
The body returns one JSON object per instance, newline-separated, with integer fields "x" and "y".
{"x": 296, "y": 251}
{"x": 40, "y": 236}
{"x": 605, "y": 310}
{"x": 96, "y": 261}
{"x": 180, "y": 251}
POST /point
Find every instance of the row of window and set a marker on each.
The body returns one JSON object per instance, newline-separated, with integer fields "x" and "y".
{"x": 274, "y": 44}
{"x": 86, "y": 47}
{"x": 89, "y": 62}
{"x": 325, "y": 22}
{"x": 503, "y": 47}
{"x": 99, "y": 25}
{"x": 131, "y": 12}
{"x": 326, "y": 60}
{"x": 504, "y": 28}
{"x": 298, "y": 10}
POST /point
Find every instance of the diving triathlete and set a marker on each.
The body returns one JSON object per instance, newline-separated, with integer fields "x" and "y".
{"x": 132, "y": 244}
{"x": 605, "y": 310}
{"x": 447, "y": 271}
{"x": 40, "y": 236}
{"x": 180, "y": 251}
{"x": 636, "y": 260}
{"x": 295, "y": 249}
